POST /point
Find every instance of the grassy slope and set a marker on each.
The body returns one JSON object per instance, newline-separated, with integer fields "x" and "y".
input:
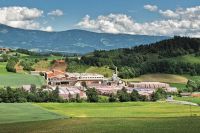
{"x": 134, "y": 109}
{"x": 16, "y": 112}
{"x": 168, "y": 78}
{"x": 17, "y": 79}
{"x": 100, "y": 70}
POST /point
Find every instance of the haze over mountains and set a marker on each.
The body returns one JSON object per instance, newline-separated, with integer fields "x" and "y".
{"x": 70, "y": 41}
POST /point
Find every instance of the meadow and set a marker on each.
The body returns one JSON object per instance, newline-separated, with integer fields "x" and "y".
{"x": 130, "y": 109}
{"x": 135, "y": 117}
{"x": 101, "y": 70}
{"x": 18, "y": 79}
{"x": 22, "y": 112}
{"x": 167, "y": 78}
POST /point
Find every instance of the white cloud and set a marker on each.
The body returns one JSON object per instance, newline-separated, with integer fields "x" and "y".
{"x": 169, "y": 13}
{"x": 48, "y": 29}
{"x": 179, "y": 22}
{"x": 21, "y": 17}
{"x": 56, "y": 12}
{"x": 151, "y": 8}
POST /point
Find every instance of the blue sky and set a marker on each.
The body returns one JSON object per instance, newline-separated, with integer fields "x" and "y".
{"x": 73, "y": 12}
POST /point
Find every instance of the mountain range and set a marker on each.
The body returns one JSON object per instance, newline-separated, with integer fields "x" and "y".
{"x": 70, "y": 41}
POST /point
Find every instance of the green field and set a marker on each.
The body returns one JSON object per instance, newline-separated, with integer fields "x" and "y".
{"x": 132, "y": 109}
{"x": 138, "y": 117}
{"x": 100, "y": 70}
{"x": 18, "y": 79}
{"x": 21, "y": 112}
{"x": 189, "y": 99}
{"x": 167, "y": 78}
{"x": 107, "y": 125}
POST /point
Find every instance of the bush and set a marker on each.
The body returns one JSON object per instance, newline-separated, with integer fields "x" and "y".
{"x": 92, "y": 95}
{"x": 103, "y": 99}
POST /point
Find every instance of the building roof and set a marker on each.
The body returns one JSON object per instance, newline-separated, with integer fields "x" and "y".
{"x": 55, "y": 73}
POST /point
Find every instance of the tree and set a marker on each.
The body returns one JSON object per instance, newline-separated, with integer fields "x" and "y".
{"x": 92, "y": 95}
{"x": 123, "y": 96}
{"x": 135, "y": 96}
{"x": 159, "y": 94}
{"x": 112, "y": 97}
{"x": 78, "y": 99}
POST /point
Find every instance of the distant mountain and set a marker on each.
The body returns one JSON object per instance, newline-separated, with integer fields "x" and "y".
{"x": 70, "y": 41}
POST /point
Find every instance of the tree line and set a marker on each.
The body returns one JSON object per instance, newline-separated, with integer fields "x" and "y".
{"x": 20, "y": 95}
{"x": 152, "y": 58}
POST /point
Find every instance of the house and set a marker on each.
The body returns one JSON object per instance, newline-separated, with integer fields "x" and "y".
{"x": 89, "y": 78}
{"x": 71, "y": 92}
{"x": 4, "y": 50}
{"x": 57, "y": 77}
{"x": 106, "y": 89}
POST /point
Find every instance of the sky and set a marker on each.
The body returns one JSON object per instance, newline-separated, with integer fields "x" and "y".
{"x": 148, "y": 17}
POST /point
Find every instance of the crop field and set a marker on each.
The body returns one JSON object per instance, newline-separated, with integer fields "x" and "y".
{"x": 167, "y": 78}
{"x": 20, "y": 112}
{"x": 18, "y": 79}
{"x": 132, "y": 109}
{"x": 138, "y": 117}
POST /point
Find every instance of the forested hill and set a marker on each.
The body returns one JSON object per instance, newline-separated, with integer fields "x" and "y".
{"x": 152, "y": 58}
{"x": 171, "y": 47}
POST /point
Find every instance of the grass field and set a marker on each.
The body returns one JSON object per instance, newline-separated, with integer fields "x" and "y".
{"x": 99, "y": 118}
{"x": 18, "y": 79}
{"x": 100, "y": 70}
{"x": 107, "y": 125}
{"x": 3, "y": 68}
{"x": 132, "y": 109}
{"x": 167, "y": 78}
{"x": 18, "y": 112}
{"x": 189, "y": 99}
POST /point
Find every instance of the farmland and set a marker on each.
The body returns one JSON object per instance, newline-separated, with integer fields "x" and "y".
{"x": 167, "y": 78}
{"x": 17, "y": 112}
{"x": 107, "y": 117}
{"x": 18, "y": 79}
{"x": 133, "y": 109}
